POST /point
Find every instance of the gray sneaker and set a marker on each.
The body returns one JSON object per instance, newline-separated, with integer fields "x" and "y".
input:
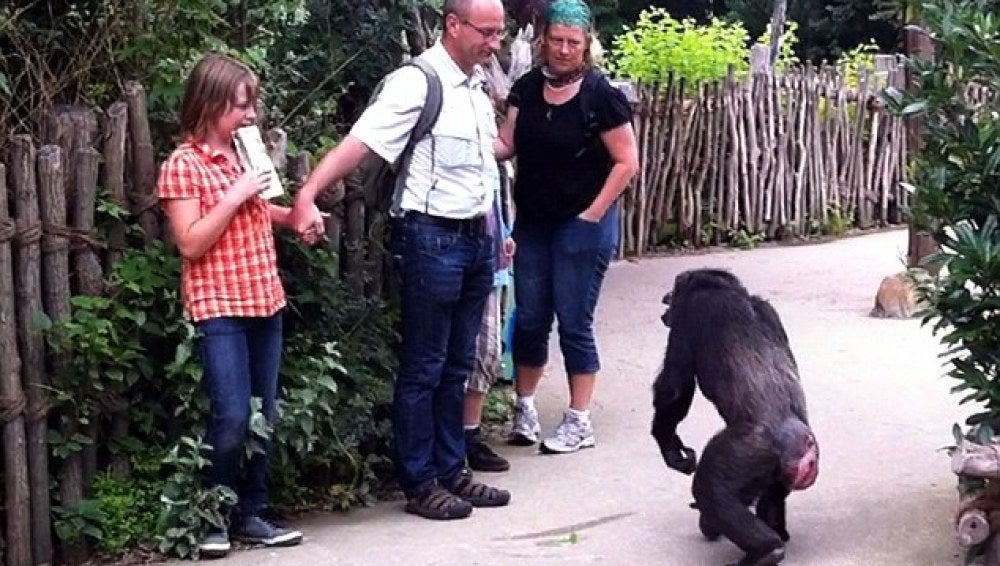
{"x": 215, "y": 544}
{"x": 526, "y": 429}
{"x": 572, "y": 434}
{"x": 258, "y": 531}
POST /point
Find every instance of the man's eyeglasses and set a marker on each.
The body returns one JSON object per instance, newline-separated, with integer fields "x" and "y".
{"x": 487, "y": 33}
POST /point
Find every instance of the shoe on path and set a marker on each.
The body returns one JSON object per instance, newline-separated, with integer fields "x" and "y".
{"x": 526, "y": 428}
{"x": 479, "y": 494}
{"x": 215, "y": 544}
{"x": 256, "y": 530}
{"x": 439, "y": 504}
{"x": 481, "y": 457}
{"x": 572, "y": 434}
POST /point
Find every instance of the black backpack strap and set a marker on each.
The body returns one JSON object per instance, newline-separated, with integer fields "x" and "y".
{"x": 425, "y": 122}
{"x": 588, "y": 92}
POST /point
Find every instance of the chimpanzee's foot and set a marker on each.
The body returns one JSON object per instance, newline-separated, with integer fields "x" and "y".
{"x": 767, "y": 559}
{"x": 708, "y": 529}
{"x": 783, "y": 533}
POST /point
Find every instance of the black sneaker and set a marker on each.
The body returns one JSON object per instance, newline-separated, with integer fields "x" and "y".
{"x": 481, "y": 457}
{"x": 215, "y": 544}
{"x": 258, "y": 531}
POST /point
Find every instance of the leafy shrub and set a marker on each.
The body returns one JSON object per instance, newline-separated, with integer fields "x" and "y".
{"x": 744, "y": 239}
{"x": 956, "y": 179}
{"x": 659, "y": 44}
{"x": 332, "y": 441}
{"x": 189, "y": 508}
{"x": 129, "y": 509}
{"x": 79, "y": 523}
{"x": 854, "y": 62}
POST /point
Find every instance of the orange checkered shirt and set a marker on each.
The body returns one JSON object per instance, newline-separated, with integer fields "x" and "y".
{"x": 238, "y": 275}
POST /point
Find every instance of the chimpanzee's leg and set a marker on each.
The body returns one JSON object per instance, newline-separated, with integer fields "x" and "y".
{"x": 771, "y": 508}
{"x": 731, "y": 464}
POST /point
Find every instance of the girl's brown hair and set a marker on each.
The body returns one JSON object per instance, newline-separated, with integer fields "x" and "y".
{"x": 210, "y": 91}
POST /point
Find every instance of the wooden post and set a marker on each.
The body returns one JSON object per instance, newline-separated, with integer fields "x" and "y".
{"x": 113, "y": 177}
{"x": 28, "y": 290}
{"x": 55, "y": 270}
{"x": 17, "y": 494}
{"x": 144, "y": 199}
{"x": 353, "y": 254}
{"x": 89, "y": 275}
{"x": 918, "y": 45}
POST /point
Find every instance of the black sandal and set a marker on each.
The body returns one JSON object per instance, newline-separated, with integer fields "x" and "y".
{"x": 479, "y": 494}
{"x": 440, "y": 504}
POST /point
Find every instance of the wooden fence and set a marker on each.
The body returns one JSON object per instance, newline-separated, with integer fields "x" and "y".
{"x": 48, "y": 251}
{"x": 775, "y": 156}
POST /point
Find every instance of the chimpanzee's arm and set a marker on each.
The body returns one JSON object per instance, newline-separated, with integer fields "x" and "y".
{"x": 673, "y": 392}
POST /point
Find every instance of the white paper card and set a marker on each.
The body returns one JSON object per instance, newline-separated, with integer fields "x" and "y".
{"x": 253, "y": 153}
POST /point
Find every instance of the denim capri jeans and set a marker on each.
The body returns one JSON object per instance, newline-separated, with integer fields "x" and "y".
{"x": 558, "y": 271}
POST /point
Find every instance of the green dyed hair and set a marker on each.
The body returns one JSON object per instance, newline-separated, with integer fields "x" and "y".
{"x": 569, "y": 13}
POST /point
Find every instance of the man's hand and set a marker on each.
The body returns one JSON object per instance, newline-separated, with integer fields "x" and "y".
{"x": 307, "y": 221}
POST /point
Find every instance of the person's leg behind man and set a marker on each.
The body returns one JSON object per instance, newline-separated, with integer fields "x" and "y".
{"x": 486, "y": 370}
{"x": 530, "y": 344}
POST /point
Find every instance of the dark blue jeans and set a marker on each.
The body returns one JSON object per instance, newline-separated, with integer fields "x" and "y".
{"x": 447, "y": 274}
{"x": 240, "y": 358}
{"x": 558, "y": 271}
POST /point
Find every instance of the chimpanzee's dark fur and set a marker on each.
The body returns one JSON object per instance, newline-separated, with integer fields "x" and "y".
{"x": 736, "y": 347}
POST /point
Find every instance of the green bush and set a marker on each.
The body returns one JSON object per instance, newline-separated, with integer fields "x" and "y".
{"x": 854, "y": 62}
{"x": 129, "y": 508}
{"x": 659, "y": 44}
{"x": 188, "y": 507}
{"x": 955, "y": 177}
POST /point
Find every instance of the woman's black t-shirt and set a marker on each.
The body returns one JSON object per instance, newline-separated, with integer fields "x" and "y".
{"x": 561, "y": 161}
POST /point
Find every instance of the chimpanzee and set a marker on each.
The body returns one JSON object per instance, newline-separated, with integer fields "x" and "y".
{"x": 737, "y": 348}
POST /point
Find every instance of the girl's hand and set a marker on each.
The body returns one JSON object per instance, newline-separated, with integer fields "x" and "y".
{"x": 249, "y": 184}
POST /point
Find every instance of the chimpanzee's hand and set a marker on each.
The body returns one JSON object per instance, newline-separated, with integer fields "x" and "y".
{"x": 681, "y": 458}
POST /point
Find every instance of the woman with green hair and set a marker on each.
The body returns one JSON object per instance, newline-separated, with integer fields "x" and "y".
{"x": 576, "y": 152}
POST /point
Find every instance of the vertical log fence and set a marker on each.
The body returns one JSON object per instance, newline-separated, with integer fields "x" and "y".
{"x": 771, "y": 156}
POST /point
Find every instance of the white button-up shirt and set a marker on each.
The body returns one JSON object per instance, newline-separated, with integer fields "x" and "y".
{"x": 456, "y": 180}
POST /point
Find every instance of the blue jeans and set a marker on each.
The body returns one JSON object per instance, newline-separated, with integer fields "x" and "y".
{"x": 558, "y": 271}
{"x": 240, "y": 358}
{"x": 447, "y": 274}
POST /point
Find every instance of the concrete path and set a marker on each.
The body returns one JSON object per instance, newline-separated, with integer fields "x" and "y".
{"x": 878, "y": 402}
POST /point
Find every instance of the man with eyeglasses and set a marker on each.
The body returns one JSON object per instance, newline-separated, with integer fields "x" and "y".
{"x": 447, "y": 252}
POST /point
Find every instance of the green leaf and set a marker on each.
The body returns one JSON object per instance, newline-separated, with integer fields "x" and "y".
{"x": 914, "y": 108}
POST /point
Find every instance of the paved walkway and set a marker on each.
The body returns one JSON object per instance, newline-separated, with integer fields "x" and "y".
{"x": 878, "y": 402}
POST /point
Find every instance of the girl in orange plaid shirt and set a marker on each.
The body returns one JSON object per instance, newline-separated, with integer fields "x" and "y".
{"x": 229, "y": 283}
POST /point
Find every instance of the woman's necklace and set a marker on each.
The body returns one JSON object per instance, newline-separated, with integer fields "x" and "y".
{"x": 560, "y": 88}
{"x": 557, "y": 81}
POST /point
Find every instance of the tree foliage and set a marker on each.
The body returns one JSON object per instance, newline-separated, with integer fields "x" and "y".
{"x": 315, "y": 57}
{"x": 659, "y": 44}
{"x": 956, "y": 179}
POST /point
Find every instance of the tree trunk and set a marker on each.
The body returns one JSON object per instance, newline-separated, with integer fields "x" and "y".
{"x": 777, "y": 29}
